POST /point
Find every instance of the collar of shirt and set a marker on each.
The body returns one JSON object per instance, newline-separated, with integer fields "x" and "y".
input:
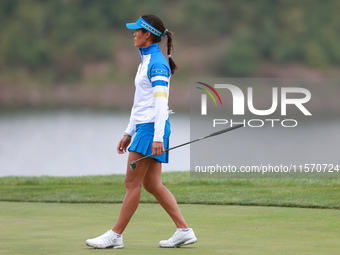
{"x": 150, "y": 49}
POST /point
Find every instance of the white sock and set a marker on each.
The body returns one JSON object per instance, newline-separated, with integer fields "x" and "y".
{"x": 117, "y": 235}
{"x": 184, "y": 229}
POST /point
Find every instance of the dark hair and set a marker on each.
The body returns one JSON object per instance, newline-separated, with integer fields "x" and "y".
{"x": 157, "y": 23}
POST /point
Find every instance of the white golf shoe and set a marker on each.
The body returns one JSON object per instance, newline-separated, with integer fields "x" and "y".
{"x": 180, "y": 238}
{"x": 108, "y": 240}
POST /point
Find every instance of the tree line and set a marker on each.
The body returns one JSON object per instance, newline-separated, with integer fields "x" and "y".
{"x": 59, "y": 36}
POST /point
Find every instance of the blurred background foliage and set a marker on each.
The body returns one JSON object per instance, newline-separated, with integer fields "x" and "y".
{"x": 84, "y": 43}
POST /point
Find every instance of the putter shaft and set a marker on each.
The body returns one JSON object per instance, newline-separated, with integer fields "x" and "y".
{"x": 133, "y": 164}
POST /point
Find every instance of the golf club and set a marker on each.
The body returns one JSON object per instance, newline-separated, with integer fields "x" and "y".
{"x": 134, "y": 163}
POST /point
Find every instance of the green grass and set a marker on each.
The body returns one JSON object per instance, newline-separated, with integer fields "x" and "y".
{"x": 62, "y": 228}
{"x": 315, "y": 193}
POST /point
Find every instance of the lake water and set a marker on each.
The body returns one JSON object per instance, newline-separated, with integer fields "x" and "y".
{"x": 74, "y": 143}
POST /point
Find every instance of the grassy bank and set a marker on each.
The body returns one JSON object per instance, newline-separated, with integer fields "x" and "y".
{"x": 314, "y": 193}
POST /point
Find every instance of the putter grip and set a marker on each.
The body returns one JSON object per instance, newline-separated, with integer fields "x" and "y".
{"x": 226, "y": 130}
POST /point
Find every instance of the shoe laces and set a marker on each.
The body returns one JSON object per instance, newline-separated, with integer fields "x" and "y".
{"x": 107, "y": 233}
{"x": 175, "y": 238}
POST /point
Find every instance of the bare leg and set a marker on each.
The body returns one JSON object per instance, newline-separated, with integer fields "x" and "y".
{"x": 152, "y": 183}
{"x": 133, "y": 183}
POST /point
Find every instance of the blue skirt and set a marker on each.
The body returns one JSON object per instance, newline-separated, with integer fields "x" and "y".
{"x": 142, "y": 142}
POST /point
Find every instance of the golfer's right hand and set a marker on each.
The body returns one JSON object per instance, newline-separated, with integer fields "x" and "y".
{"x": 123, "y": 144}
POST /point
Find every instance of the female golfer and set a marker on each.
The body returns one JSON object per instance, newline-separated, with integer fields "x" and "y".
{"x": 149, "y": 122}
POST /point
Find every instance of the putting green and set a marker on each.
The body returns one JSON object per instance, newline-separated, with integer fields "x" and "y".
{"x": 55, "y": 228}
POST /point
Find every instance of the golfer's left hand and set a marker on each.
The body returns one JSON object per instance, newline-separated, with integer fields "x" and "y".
{"x": 157, "y": 148}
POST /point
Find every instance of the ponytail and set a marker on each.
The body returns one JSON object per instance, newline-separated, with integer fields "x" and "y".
{"x": 170, "y": 47}
{"x": 157, "y": 23}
